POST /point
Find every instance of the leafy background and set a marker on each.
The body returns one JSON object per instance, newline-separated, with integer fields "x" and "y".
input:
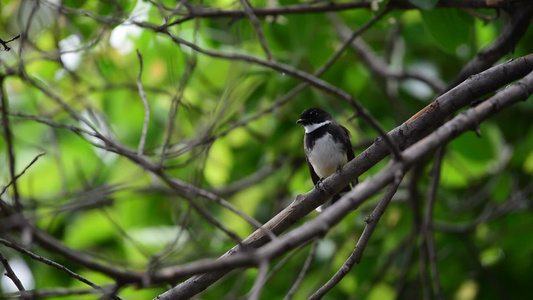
{"x": 105, "y": 204}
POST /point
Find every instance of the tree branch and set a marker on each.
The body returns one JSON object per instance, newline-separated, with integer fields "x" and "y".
{"x": 297, "y": 73}
{"x": 357, "y": 253}
{"x": 4, "y": 43}
{"x": 318, "y": 7}
{"x": 320, "y": 225}
{"x": 140, "y": 150}
{"x": 8, "y": 137}
{"x": 520, "y": 16}
{"x": 427, "y": 228}
{"x": 379, "y": 66}
{"x": 11, "y": 274}
{"x": 55, "y": 265}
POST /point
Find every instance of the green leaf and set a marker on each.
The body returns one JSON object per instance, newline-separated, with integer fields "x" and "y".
{"x": 218, "y": 164}
{"x": 89, "y": 229}
{"x": 467, "y": 291}
{"x": 449, "y": 27}
{"x": 424, "y": 4}
{"x": 247, "y": 201}
{"x": 381, "y": 292}
{"x": 491, "y": 256}
{"x": 528, "y": 163}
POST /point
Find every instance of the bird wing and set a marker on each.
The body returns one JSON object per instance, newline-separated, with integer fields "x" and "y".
{"x": 314, "y": 176}
{"x": 348, "y": 144}
{"x": 349, "y": 150}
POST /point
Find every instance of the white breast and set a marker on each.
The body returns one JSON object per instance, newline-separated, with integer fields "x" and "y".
{"x": 327, "y": 156}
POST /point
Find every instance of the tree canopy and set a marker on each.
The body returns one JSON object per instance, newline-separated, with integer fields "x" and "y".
{"x": 150, "y": 149}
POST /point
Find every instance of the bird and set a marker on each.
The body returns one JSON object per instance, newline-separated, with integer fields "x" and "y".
{"x": 327, "y": 147}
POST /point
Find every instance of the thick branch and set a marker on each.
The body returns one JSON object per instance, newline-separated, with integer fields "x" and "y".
{"x": 519, "y": 19}
{"x": 320, "y": 225}
{"x": 406, "y": 134}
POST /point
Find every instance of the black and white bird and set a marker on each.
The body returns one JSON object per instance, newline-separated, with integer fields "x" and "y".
{"x": 327, "y": 146}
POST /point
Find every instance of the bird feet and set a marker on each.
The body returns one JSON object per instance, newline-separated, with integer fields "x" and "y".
{"x": 318, "y": 185}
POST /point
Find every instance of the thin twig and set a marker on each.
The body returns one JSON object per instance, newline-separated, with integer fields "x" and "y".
{"x": 303, "y": 272}
{"x": 168, "y": 250}
{"x": 248, "y": 10}
{"x": 8, "y": 137}
{"x": 280, "y": 265}
{"x": 519, "y": 19}
{"x": 306, "y": 8}
{"x": 254, "y": 178}
{"x": 259, "y": 281}
{"x": 488, "y": 214}
{"x": 427, "y": 228}
{"x": 185, "y": 189}
{"x": 285, "y": 98}
{"x": 425, "y": 282}
{"x": 4, "y": 43}
{"x": 179, "y": 186}
{"x": 273, "y": 11}
{"x": 377, "y": 65}
{"x": 27, "y": 26}
{"x": 54, "y": 264}
{"x": 211, "y": 219}
{"x": 11, "y": 274}
{"x": 146, "y": 106}
{"x": 357, "y": 253}
{"x": 482, "y": 17}
{"x": 176, "y": 100}
{"x": 309, "y": 78}
{"x": 57, "y": 292}
{"x": 514, "y": 93}
{"x": 22, "y": 173}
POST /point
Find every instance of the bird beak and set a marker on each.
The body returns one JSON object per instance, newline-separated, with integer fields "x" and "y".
{"x": 300, "y": 121}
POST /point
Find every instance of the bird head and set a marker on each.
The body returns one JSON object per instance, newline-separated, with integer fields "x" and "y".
{"x": 313, "y": 116}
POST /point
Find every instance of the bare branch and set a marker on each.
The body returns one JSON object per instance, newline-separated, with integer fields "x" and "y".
{"x": 519, "y": 19}
{"x": 53, "y": 264}
{"x": 21, "y": 173}
{"x": 303, "y": 271}
{"x": 320, "y": 225}
{"x": 255, "y": 292}
{"x": 172, "y": 161}
{"x": 357, "y": 253}
{"x": 377, "y": 65}
{"x": 248, "y": 10}
{"x": 4, "y": 43}
{"x": 250, "y": 180}
{"x": 514, "y": 203}
{"x": 285, "y": 98}
{"x": 11, "y": 274}
{"x": 316, "y": 7}
{"x": 427, "y": 228}
{"x": 146, "y": 106}
{"x": 297, "y": 73}
{"x": 8, "y": 137}
{"x": 280, "y": 265}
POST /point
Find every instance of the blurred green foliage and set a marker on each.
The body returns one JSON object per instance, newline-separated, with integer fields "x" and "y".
{"x": 105, "y": 204}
